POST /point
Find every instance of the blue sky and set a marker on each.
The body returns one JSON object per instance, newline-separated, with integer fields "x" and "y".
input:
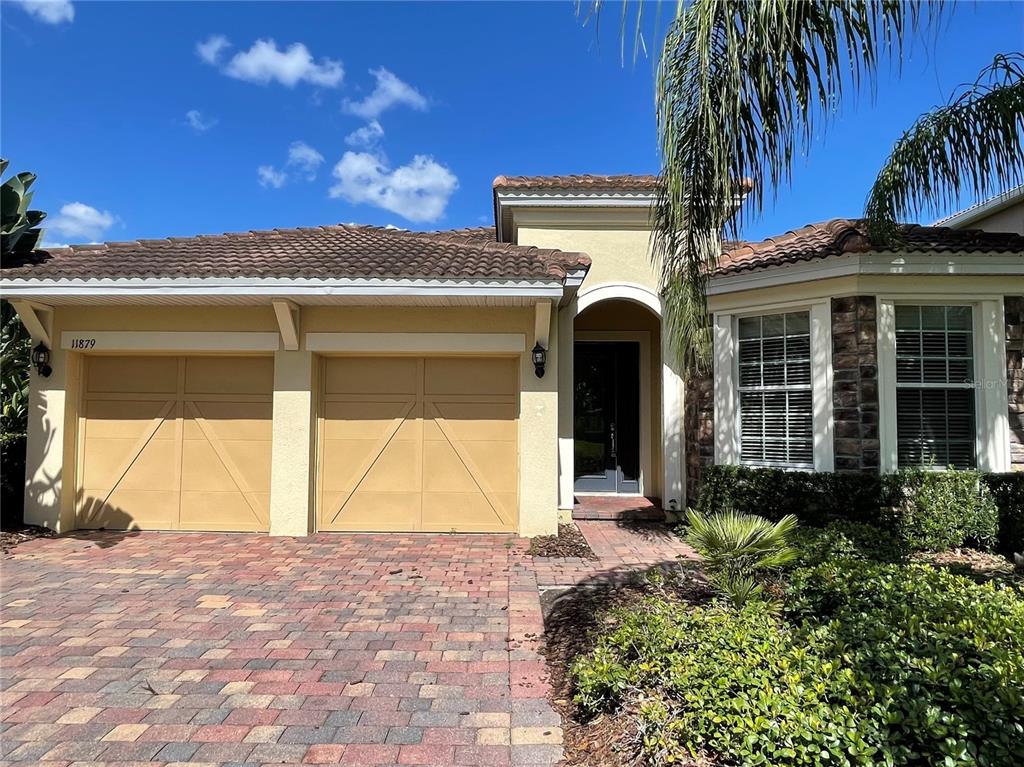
{"x": 151, "y": 119}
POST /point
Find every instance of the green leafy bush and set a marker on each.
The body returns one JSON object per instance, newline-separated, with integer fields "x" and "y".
{"x": 869, "y": 664}
{"x": 739, "y": 547}
{"x": 731, "y": 682}
{"x": 846, "y": 540}
{"x": 938, "y": 510}
{"x": 1007, "y": 490}
{"x": 937, "y": 659}
{"x": 926, "y": 509}
{"x": 12, "y": 478}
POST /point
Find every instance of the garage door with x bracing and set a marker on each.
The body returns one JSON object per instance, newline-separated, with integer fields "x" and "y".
{"x": 413, "y": 444}
{"x": 175, "y": 443}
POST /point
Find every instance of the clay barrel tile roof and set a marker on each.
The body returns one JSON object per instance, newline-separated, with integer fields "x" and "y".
{"x": 326, "y": 252}
{"x": 586, "y": 182}
{"x": 842, "y": 236}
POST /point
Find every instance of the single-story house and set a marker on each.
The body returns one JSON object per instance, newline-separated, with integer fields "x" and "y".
{"x": 357, "y": 378}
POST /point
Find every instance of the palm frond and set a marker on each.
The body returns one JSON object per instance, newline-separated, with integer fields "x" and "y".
{"x": 972, "y": 144}
{"x": 743, "y": 87}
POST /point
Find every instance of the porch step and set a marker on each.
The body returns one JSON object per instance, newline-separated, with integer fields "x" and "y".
{"x": 617, "y": 507}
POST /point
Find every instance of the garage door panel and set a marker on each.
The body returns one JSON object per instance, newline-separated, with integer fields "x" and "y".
{"x": 124, "y": 419}
{"x": 470, "y": 375}
{"x": 225, "y": 511}
{"x": 441, "y": 453}
{"x": 232, "y": 420}
{"x": 378, "y": 511}
{"x": 368, "y": 420}
{"x": 473, "y": 421}
{"x": 128, "y": 510}
{"x": 229, "y": 375}
{"x": 466, "y": 512}
{"x": 132, "y": 375}
{"x": 191, "y": 465}
{"x": 371, "y": 375}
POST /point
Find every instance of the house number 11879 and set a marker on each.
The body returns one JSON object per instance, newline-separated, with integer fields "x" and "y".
{"x": 83, "y": 343}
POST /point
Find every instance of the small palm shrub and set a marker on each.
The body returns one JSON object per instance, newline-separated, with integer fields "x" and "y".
{"x": 737, "y": 548}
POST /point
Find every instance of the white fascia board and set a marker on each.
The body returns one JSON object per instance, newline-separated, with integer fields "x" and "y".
{"x": 277, "y": 287}
{"x": 968, "y": 216}
{"x": 914, "y": 264}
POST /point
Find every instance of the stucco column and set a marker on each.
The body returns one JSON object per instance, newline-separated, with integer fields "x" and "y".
{"x": 566, "y": 446}
{"x": 673, "y": 493}
{"x": 538, "y": 441}
{"x": 51, "y": 435}
{"x": 291, "y": 480}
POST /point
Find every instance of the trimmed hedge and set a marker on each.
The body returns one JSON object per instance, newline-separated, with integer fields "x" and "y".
{"x": 924, "y": 509}
{"x": 1008, "y": 492}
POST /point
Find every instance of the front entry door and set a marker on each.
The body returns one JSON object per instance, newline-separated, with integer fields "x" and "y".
{"x": 607, "y": 416}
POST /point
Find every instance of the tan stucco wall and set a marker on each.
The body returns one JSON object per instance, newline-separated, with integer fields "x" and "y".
{"x": 53, "y": 417}
{"x": 618, "y": 242}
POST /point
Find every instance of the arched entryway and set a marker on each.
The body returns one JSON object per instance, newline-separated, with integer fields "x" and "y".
{"x": 618, "y": 424}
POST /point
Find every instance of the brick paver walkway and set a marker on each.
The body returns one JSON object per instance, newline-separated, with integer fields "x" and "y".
{"x": 245, "y": 649}
{"x": 622, "y": 548}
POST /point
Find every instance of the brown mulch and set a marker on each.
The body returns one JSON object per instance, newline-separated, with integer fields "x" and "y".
{"x": 568, "y": 543}
{"x": 11, "y": 537}
{"x": 572, "y": 619}
{"x": 971, "y": 562}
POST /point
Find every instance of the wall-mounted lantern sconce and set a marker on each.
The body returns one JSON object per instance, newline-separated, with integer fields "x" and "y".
{"x": 41, "y": 360}
{"x": 540, "y": 358}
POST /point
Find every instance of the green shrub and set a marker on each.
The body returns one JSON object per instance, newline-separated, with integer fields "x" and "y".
{"x": 869, "y": 664}
{"x": 926, "y": 509}
{"x": 939, "y": 510}
{"x": 737, "y": 548}
{"x": 731, "y": 682}
{"x": 937, "y": 659}
{"x": 12, "y": 478}
{"x": 812, "y": 497}
{"x": 1007, "y": 490}
{"x": 846, "y": 540}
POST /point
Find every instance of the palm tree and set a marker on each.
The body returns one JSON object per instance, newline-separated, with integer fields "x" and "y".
{"x": 743, "y": 86}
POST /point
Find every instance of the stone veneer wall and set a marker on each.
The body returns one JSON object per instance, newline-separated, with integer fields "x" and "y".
{"x": 698, "y": 431}
{"x": 1014, "y": 311}
{"x": 855, "y": 383}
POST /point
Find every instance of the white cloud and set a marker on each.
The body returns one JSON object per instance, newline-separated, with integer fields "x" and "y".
{"x": 209, "y": 50}
{"x": 264, "y": 62}
{"x": 198, "y": 122}
{"x": 418, "y": 191}
{"x": 271, "y": 177}
{"x": 390, "y": 92}
{"x": 77, "y": 220}
{"x": 49, "y": 11}
{"x": 304, "y": 157}
{"x": 367, "y": 136}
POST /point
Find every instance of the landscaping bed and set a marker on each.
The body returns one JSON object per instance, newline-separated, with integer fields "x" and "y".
{"x": 844, "y": 644}
{"x": 16, "y": 534}
{"x": 568, "y": 543}
{"x": 573, "y": 621}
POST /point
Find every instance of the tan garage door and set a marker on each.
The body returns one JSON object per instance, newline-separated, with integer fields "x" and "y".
{"x": 419, "y": 444}
{"x": 175, "y": 443}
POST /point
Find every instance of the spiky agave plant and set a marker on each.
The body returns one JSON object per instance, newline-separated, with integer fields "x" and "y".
{"x": 737, "y": 548}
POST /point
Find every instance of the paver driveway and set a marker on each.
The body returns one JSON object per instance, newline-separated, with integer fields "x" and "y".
{"x": 361, "y": 649}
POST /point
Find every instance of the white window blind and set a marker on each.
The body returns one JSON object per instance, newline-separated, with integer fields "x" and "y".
{"x": 775, "y": 401}
{"x": 935, "y": 397}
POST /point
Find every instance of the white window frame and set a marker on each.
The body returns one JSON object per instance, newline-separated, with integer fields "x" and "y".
{"x": 726, "y": 380}
{"x": 991, "y": 403}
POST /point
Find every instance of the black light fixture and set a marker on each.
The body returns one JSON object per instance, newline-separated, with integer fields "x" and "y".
{"x": 540, "y": 358}
{"x": 41, "y": 360}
